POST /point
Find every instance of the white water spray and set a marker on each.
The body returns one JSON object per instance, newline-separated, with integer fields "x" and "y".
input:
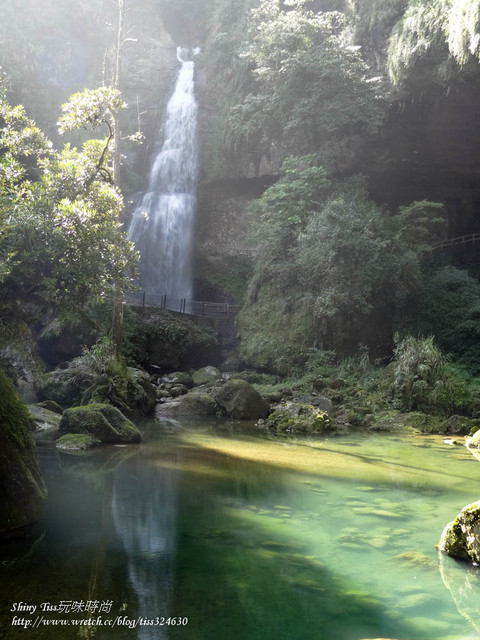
{"x": 162, "y": 225}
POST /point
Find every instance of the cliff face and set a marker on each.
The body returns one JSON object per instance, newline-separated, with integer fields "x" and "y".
{"x": 426, "y": 148}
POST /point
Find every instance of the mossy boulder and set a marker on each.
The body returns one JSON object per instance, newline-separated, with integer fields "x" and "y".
{"x": 128, "y": 389}
{"x": 461, "y": 537}
{"x": 192, "y": 405}
{"x": 22, "y": 489}
{"x": 43, "y": 419}
{"x": 414, "y": 421}
{"x": 460, "y": 425}
{"x": 171, "y": 340}
{"x": 206, "y": 375}
{"x": 177, "y": 390}
{"x": 63, "y": 388}
{"x": 104, "y": 422}
{"x": 50, "y": 405}
{"x": 180, "y": 377}
{"x": 76, "y": 442}
{"x": 294, "y": 417}
{"x": 240, "y": 400}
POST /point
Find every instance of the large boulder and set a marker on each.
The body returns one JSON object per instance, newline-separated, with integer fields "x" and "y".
{"x": 179, "y": 377}
{"x": 21, "y": 362}
{"x": 240, "y": 400}
{"x": 43, "y": 419}
{"x": 64, "y": 388}
{"x": 295, "y": 417}
{"x": 130, "y": 390}
{"x": 104, "y": 422}
{"x": 206, "y": 375}
{"x": 191, "y": 405}
{"x": 22, "y": 489}
{"x": 171, "y": 340}
{"x": 461, "y": 537}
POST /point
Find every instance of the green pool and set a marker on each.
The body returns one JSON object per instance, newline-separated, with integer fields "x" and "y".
{"x": 216, "y": 532}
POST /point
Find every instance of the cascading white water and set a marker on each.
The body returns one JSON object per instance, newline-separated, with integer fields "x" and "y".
{"x": 162, "y": 225}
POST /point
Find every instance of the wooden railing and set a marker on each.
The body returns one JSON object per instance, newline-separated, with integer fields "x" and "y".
{"x": 181, "y": 305}
{"x": 471, "y": 238}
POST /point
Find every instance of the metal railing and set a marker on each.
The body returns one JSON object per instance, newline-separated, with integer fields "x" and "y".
{"x": 181, "y": 305}
{"x": 471, "y": 238}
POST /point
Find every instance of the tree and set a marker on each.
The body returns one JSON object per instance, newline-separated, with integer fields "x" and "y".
{"x": 312, "y": 91}
{"x": 61, "y": 245}
{"x": 332, "y": 267}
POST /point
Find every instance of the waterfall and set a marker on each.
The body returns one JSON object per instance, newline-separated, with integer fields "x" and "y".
{"x": 162, "y": 225}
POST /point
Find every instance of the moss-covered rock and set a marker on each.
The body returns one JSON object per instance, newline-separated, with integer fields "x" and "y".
{"x": 206, "y": 375}
{"x": 240, "y": 400}
{"x": 104, "y": 422}
{"x": 294, "y": 417}
{"x": 22, "y": 489}
{"x": 192, "y": 405}
{"x": 43, "y": 419}
{"x": 171, "y": 340}
{"x": 177, "y": 390}
{"x": 63, "y": 388}
{"x": 180, "y": 377}
{"x": 460, "y": 425}
{"x": 461, "y": 537}
{"x": 412, "y": 421}
{"x": 50, "y": 405}
{"x": 76, "y": 442}
{"x": 127, "y": 388}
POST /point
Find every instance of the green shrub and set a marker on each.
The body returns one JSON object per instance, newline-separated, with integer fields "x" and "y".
{"x": 420, "y": 378}
{"x": 449, "y": 308}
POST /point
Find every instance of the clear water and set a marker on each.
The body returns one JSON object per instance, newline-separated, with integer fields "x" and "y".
{"x": 252, "y": 537}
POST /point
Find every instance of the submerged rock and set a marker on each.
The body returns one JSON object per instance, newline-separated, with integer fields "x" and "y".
{"x": 22, "y": 489}
{"x": 104, "y": 422}
{"x": 206, "y": 375}
{"x": 294, "y": 417}
{"x": 240, "y": 400}
{"x": 413, "y": 560}
{"x": 461, "y": 537}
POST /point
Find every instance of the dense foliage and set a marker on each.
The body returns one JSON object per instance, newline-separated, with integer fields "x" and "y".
{"x": 310, "y": 89}
{"x": 442, "y": 32}
{"x": 448, "y": 307}
{"x": 332, "y": 267}
{"x": 61, "y": 244}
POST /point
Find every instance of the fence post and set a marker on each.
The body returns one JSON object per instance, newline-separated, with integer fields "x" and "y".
{"x": 143, "y": 298}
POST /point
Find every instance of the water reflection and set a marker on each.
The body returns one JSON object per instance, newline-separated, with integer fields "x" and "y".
{"x": 254, "y": 538}
{"x": 145, "y": 513}
{"x": 463, "y": 582}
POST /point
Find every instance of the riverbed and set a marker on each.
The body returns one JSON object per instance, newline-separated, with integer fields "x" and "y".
{"x": 215, "y": 531}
